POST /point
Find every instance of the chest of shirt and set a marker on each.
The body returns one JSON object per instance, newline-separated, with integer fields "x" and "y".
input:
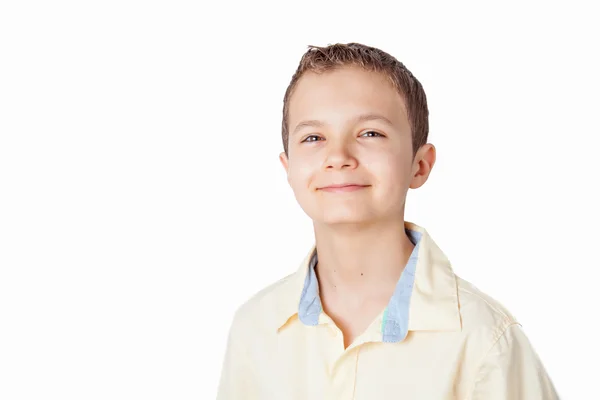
{"x": 314, "y": 365}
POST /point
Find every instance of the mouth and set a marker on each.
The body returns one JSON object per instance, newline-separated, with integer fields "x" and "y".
{"x": 343, "y": 188}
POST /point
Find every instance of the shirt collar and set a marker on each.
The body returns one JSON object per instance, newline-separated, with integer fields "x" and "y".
{"x": 425, "y": 297}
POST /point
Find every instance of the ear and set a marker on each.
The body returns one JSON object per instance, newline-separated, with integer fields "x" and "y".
{"x": 422, "y": 165}
{"x": 284, "y": 161}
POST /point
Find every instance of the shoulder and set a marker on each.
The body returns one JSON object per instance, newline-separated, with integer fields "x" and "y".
{"x": 482, "y": 313}
{"x": 264, "y": 309}
{"x": 505, "y": 358}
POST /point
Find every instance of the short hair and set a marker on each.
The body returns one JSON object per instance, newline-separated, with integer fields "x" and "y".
{"x": 323, "y": 59}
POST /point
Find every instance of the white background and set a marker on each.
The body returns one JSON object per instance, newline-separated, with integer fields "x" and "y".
{"x": 142, "y": 201}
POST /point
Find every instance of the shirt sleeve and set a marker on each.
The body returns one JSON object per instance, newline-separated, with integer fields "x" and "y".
{"x": 236, "y": 382}
{"x": 512, "y": 370}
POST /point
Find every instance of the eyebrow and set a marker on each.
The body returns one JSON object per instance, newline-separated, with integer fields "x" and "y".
{"x": 360, "y": 118}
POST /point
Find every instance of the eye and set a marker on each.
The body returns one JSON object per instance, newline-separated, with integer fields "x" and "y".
{"x": 376, "y": 133}
{"x": 311, "y": 136}
{"x": 308, "y": 139}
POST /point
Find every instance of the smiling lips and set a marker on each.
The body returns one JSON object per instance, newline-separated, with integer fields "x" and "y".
{"x": 342, "y": 188}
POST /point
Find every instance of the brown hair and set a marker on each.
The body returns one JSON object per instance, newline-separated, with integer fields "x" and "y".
{"x": 324, "y": 59}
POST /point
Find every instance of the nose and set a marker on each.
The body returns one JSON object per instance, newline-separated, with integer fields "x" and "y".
{"x": 340, "y": 156}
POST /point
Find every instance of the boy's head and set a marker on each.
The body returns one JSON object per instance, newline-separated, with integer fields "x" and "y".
{"x": 354, "y": 114}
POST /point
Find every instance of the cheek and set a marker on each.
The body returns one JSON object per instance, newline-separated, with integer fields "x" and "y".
{"x": 392, "y": 174}
{"x": 300, "y": 179}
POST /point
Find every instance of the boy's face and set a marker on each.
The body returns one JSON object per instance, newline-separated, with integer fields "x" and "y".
{"x": 339, "y": 149}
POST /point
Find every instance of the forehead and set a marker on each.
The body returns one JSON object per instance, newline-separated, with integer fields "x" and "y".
{"x": 343, "y": 93}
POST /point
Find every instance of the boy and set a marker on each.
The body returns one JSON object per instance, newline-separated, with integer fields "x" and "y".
{"x": 374, "y": 310}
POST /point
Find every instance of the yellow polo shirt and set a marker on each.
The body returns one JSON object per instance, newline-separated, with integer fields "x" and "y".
{"x": 438, "y": 338}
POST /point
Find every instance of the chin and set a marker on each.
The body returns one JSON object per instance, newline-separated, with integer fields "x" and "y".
{"x": 341, "y": 216}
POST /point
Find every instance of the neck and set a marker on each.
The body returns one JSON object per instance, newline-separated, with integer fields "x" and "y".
{"x": 365, "y": 259}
